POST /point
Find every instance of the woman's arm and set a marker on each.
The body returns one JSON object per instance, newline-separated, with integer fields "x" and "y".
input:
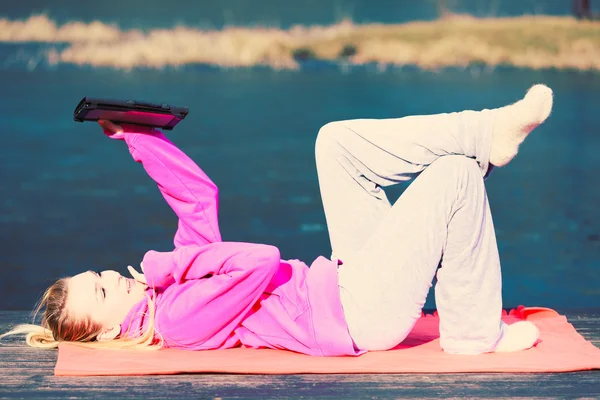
{"x": 186, "y": 188}
{"x": 202, "y": 313}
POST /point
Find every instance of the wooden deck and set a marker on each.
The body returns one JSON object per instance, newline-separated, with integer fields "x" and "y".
{"x": 28, "y": 373}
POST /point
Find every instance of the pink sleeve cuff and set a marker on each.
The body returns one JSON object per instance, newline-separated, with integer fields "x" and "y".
{"x": 158, "y": 269}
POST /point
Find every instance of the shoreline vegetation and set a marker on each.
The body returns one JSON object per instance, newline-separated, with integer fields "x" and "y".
{"x": 455, "y": 40}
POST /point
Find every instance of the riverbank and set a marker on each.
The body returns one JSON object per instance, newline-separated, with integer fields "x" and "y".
{"x": 529, "y": 41}
{"x": 456, "y": 40}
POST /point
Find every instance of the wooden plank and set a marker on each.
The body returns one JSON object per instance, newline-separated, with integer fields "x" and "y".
{"x": 28, "y": 373}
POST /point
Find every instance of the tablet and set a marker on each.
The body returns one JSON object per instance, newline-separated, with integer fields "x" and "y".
{"x": 163, "y": 116}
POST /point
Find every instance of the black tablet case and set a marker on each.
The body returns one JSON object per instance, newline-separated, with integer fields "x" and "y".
{"x": 162, "y": 116}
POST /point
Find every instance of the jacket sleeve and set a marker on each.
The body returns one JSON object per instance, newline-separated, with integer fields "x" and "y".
{"x": 217, "y": 285}
{"x": 186, "y": 188}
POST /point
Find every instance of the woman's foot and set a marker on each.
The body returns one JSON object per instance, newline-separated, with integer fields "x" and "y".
{"x": 518, "y": 336}
{"x": 514, "y": 122}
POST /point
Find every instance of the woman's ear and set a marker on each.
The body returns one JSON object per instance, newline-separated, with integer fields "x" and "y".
{"x": 109, "y": 333}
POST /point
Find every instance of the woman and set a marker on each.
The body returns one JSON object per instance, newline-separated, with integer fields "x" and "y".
{"x": 210, "y": 294}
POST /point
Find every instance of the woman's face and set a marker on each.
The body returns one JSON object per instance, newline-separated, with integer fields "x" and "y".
{"x": 107, "y": 297}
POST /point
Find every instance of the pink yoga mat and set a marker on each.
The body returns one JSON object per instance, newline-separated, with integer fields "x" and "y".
{"x": 560, "y": 349}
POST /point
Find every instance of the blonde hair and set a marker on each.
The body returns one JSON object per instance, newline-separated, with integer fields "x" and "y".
{"x": 58, "y": 326}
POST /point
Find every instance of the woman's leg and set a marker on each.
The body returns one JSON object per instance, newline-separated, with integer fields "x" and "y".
{"x": 443, "y": 215}
{"x": 356, "y": 158}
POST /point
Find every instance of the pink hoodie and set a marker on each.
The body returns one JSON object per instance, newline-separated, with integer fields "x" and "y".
{"x": 215, "y": 295}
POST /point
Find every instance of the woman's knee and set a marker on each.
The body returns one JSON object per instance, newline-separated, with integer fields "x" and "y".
{"x": 458, "y": 174}
{"x": 328, "y": 139}
{"x": 458, "y": 165}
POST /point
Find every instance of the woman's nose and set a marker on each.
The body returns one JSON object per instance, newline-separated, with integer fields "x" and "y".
{"x": 110, "y": 275}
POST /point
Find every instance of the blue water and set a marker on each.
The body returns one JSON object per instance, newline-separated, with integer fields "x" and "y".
{"x": 73, "y": 200}
{"x": 144, "y": 14}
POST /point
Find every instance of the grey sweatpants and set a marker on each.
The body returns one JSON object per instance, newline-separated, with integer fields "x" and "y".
{"x": 390, "y": 254}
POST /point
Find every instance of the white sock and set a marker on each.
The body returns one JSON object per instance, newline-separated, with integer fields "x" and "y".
{"x": 518, "y": 336}
{"x": 514, "y": 122}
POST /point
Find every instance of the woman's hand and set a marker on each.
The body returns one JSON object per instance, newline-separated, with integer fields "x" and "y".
{"x": 109, "y": 127}
{"x": 115, "y": 131}
{"x": 138, "y": 276}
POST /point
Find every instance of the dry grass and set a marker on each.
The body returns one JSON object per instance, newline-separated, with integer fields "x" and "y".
{"x": 456, "y": 40}
{"x": 532, "y": 41}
